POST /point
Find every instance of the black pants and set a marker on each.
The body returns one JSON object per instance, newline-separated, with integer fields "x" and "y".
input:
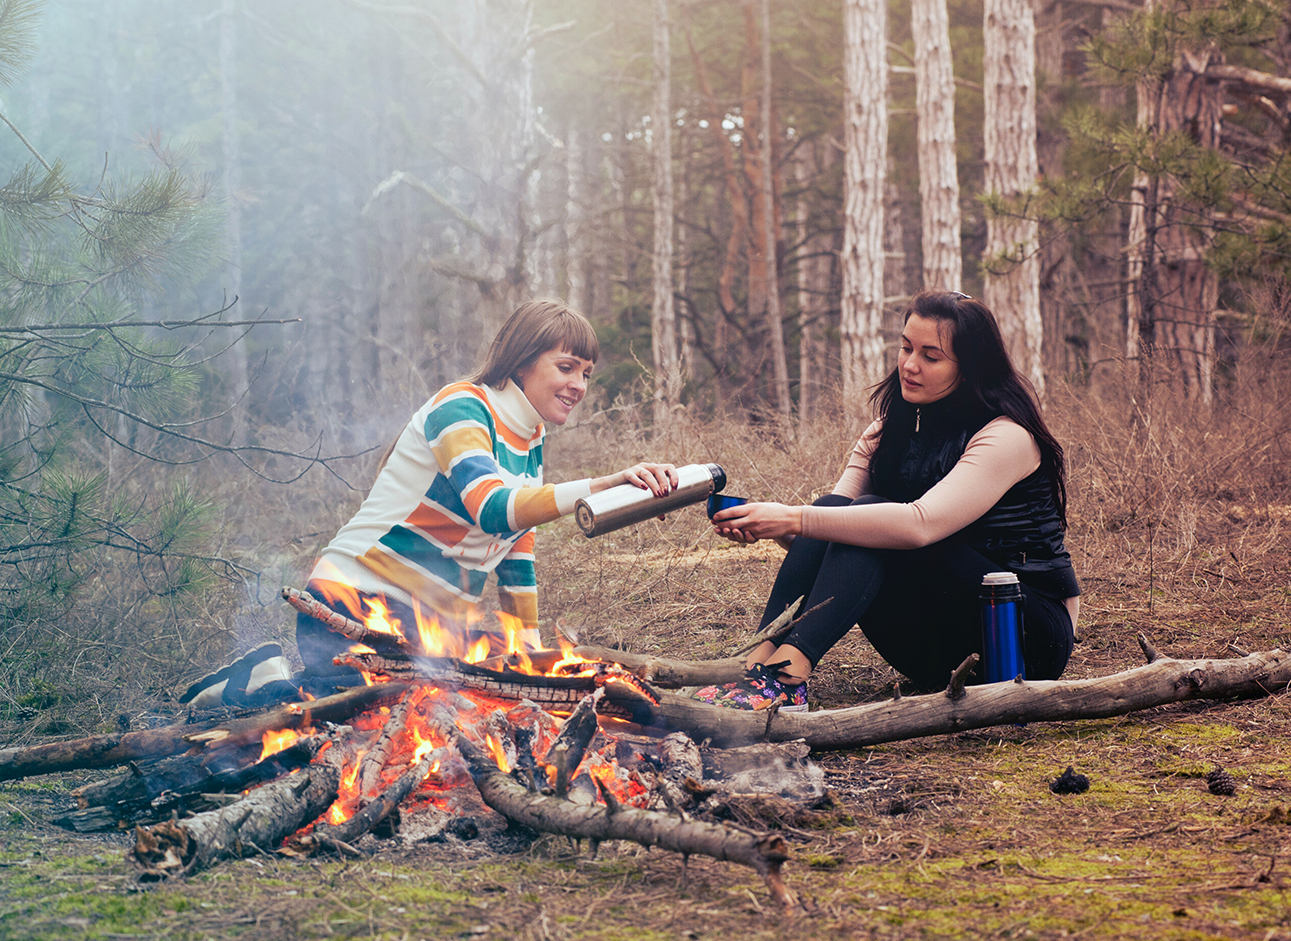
{"x": 918, "y": 607}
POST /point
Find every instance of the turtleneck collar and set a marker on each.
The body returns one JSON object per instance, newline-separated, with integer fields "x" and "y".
{"x": 514, "y": 407}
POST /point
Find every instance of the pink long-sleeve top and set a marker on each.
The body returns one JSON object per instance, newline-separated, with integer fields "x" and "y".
{"x": 997, "y": 457}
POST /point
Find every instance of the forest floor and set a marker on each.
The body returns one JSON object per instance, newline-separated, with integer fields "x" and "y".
{"x": 948, "y": 836}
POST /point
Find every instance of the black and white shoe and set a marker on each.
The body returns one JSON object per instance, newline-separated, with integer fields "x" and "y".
{"x": 237, "y": 683}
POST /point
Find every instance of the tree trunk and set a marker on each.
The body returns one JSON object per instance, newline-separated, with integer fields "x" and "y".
{"x": 663, "y": 317}
{"x": 577, "y": 205}
{"x": 230, "y": 149}
{"x": 1012, "y": 285}
{"x": 779, "y": 364}
{"x": 686, "y": 316}
{"x": 938, "y": 169}
{"x": 815, "y": 280}
{"x": 1186, "y": 293}
{"x": 865, "y": 134}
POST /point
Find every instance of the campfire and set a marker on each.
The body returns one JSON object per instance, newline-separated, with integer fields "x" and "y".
{"x": 441, "y": 730}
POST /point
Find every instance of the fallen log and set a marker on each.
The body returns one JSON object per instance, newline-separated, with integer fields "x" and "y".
{"x": 257, "y": 823}
{"x": 765, "y": 853}
{"x": 665, "y": 671}
{"x": 1162, "y": 681}
{"x": 673, "y": 674}
{"x": 106, "y": 751}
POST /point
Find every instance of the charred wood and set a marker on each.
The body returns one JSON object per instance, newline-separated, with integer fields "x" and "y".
{"x": 356, "y": 631}
{"x": 1163, "y": 681}
{"x": 374, "y": 760}
{"x": 667, "y": 672}
{"x": 375, "y": 811}
{"x": 106, "y": 751}
{"x": 566, "y": 752}
{"x": 764, "y": 853}
{"x": 258, "y": 823}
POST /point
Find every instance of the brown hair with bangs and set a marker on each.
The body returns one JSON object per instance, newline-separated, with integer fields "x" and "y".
{"x": 535, "y": 327}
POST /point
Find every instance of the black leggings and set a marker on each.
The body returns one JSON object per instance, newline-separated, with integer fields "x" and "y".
{"x": 918, "y": 607}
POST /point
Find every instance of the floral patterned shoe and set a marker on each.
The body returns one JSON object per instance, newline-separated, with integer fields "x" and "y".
{"x": 759, "y": 688}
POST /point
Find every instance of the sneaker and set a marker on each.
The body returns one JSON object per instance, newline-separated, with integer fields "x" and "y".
{"x": 759, "y": 688}
{"x": 231, "y": 685}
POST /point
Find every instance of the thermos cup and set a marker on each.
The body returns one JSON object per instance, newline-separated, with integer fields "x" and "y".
{"x": 1001, "y": 627}
{"x": 626, "y": 504}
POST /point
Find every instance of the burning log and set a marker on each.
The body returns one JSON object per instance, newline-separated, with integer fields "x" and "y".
{"x": 764, "y": 853}
{"x": 356, "y": 631}
{"x": 182, "y": 783}
{"x": 257, "y": 823}
{"x": 105, "y": 751}
{"x": 566, "y": 753}
{"x": 1162, "y": 681}
{"x": 340, "y": 836}
{"x": 374, "y": 760}
{"x": 626, "y": 694}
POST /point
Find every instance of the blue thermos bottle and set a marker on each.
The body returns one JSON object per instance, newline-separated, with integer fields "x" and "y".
{"x": 1002, "y": 627}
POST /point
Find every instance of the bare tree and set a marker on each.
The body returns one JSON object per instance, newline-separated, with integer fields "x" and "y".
{"x": 1012, "y": 288}
{"x": 779, "y": 365}
{"x": 237, "y": 354}
{"x": 865, "y": 136}
{"x": 1173, "y": 291}
{"x": 943, "y": 265}
{"x": 663, "y": 317}
{"x": 815, "y": 278}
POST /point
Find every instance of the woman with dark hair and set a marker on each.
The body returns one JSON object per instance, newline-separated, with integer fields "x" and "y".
{"x": 460, "y": 492}
{"x": 957, "y": 477}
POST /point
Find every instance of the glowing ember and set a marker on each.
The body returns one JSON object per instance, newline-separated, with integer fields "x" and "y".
{"x": 275, "y": 742}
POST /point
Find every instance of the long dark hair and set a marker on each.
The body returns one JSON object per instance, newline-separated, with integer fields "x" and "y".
{"x": 989, "y": 385}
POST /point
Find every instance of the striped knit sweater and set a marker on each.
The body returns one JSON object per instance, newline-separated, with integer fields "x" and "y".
{"x": 457, "y": 499}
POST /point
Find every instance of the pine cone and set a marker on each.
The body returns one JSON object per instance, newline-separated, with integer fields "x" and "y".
{"x": 1221, "y": 782}
{"x": 1069, "y": 782}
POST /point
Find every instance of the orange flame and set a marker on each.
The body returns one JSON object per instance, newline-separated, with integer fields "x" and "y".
{"x": 514, "y": 628}
{"x": 479, "y": 651}
{"x": 275, "y": 742}
{"x": 495, "y": 749}
{"x": 378, "y": 618}
{"x": 342, "y": 808}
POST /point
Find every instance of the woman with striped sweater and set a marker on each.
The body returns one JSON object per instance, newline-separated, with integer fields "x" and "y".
{"x": 461, "y": 490}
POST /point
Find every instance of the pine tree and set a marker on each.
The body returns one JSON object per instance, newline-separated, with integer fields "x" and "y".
{"x": 81, "y": 375}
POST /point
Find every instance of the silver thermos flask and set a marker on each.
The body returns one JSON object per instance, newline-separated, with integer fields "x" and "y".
{"x": 626, "y": 504}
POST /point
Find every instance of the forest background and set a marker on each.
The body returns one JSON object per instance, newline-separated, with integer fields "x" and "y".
{"x": 380, "y": 184}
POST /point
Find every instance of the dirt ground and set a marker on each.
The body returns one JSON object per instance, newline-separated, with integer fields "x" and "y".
{"x": 948, "y": 836}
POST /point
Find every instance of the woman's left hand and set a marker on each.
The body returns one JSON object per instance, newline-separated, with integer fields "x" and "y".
{"x": 753, "y": 521}
{"x": 659, "y": 479}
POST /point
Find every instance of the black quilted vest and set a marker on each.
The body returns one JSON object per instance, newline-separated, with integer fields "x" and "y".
{"x": 1021, "y": 533}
